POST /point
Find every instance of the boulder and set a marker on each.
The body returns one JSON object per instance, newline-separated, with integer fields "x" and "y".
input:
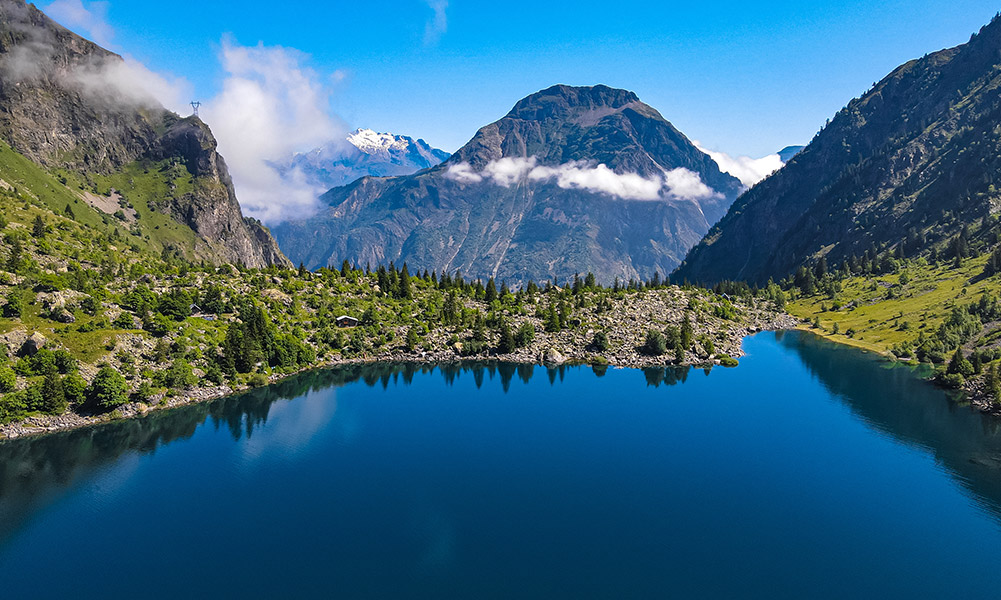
{"x": 552, "y": 356}
{"x": 62, "y": 315}
{"x": 33, "y": 344}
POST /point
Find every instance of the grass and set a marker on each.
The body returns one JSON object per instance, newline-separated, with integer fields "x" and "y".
{"x": 879, "y": 321}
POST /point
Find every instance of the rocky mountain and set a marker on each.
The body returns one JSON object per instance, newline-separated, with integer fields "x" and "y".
{"x": 72, "y": 106}
{"x": 904, "y": 167}
{"x": 362, "y": 153}
{"x": 572, "y": 179}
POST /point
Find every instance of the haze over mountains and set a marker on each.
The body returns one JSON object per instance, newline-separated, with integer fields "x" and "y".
{"x": 571, "y": 180}
{"x": 69, "y": 104}
{"x": 906, "y": 166}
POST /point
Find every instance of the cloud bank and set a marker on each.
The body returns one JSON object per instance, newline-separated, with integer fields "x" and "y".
{"x": 584, "y": 175}
{"x": 272, "y": 104}
{"x": 748, "y": 170}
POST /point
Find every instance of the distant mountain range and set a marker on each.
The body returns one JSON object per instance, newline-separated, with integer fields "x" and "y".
{"x": 573, "y": 179}
{"x": 907, "y": 166}
{"x": 362, "y": 153}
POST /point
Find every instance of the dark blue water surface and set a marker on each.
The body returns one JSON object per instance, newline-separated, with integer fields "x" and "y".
{"x": 812, "y": 470}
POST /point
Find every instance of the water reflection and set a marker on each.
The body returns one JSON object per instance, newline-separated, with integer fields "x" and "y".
{"x": 891, "y": 399}
{"x": 888, "y": 397}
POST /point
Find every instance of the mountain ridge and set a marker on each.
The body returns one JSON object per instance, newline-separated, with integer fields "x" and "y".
{"x": 912, "y": 159}
{"x": 549, "y": 189}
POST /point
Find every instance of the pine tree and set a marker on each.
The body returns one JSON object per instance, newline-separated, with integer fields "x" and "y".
{"x": 506, "y": 344}
{"x": 38, "y": 227}
{"x": 404, "y": 288}
{"x": 413, "y": 338}
{"x": 491, "y": 292}
{"x": 552, "y": 323}
{"x": 53, "y": 397}
{"x": 687, "y": 332}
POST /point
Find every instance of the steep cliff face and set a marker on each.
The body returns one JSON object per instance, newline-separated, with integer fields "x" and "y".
{"x": 571, "y": 180}
{"x": 916, "y": 158}
{"x": 68, "y": 103}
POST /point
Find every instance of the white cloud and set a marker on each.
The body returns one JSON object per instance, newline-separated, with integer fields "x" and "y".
{"x": 463, "y": 173}
{"x": 748, "y": 170}
{"x": 679, "y": 183}
{"x": 580, "y": 175}
{"x": 129, "y": 81}
{"x": 90, "y": 18}
{"x": 509, "y": 170}
{"x": 108, "y": 79}
{"x": 271, "y": 105}
{"x": 437, "y": 25}
{"x": 686, "y": 184}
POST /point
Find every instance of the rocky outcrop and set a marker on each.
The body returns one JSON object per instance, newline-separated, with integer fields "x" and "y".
{"x": 35, "y": 342}
{"x": 66, "y": 102}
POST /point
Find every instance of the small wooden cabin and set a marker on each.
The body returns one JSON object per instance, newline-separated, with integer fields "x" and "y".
{"x": 346, "y": 321}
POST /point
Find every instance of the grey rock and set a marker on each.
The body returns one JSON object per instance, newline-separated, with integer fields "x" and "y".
{"x": 35, "y": 342}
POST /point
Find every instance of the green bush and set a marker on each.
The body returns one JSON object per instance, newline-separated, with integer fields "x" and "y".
{"x": 951, "y": 380}
{"x": 8, "y": 379}
{"x": 75, "y": 388}
{"x": 525, "y": 335}
{"x": 727, "y": 361}
{"x": 258, "y": 380}
{"x": 178, "y": 375}
{"x": 108, "y": 389}
{"x": 655, "y": 343}
{"x": 600, "y": 341}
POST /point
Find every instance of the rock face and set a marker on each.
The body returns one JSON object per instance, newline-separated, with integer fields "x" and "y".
{"x": 364, "y": 153}
{"x": 66, "y": 102}
{"x": 571, "y": 180}
{"x": 905, "y": 166}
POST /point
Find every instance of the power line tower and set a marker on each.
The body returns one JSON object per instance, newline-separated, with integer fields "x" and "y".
{"x": 195, "y": 104}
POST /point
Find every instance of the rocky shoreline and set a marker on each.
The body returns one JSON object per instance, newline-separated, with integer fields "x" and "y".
{"x": 565, "y": 347}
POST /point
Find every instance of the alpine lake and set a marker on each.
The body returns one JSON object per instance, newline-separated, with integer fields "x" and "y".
{"x": 812, "y": 470}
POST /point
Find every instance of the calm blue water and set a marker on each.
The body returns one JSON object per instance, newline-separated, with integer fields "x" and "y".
{"x": 810, "y": 471}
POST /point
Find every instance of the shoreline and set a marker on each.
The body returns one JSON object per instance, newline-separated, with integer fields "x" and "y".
{"x": 972, "y": 393}
{"x": 536, "y": 354}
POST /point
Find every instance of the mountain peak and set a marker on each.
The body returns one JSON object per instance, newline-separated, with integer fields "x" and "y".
{"x": 563, "y": 101}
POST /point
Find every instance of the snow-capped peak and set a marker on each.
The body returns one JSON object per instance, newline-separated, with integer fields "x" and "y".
{"x": 371, "y": 142}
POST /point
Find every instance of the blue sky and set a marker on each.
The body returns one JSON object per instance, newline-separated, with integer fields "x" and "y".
{"x": 744, "y": 78}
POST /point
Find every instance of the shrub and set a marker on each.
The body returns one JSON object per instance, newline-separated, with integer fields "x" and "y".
{"x": 655, "y": 343}
{"x": 178, "y": 375}
{"x": 952, "y": 380}
{"x": 8, "y": 380}
{"x": 75, "y": 388}
{"x": 64, "y": 361}
{"x": 17, "y": 302}
{"x": 124, "y": 321}
{"x": 108, "y": 389}
{"x": 258, "y": 380}
{"x": 600, "y": 341}
{"x": 726, "y": 360}
{"x": 525, "y": 335}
